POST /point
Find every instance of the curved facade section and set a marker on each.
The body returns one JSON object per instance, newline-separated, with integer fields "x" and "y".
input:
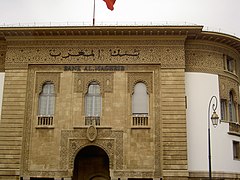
{"x": 212, "y": 69}
{"x": 200, "y": 87}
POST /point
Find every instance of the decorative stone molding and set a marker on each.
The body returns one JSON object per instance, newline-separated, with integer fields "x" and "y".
{"x": 136, "y": 77}
{"x": 226, "y": 85}
{"x": 91, "y": 133}
{"x": 43, "y": 77}
{"x": 77, "y": 43}
{"x": 72, "y": 141}
{"x": 82, "y": 81}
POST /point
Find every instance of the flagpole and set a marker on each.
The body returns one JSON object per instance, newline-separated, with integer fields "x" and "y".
{"x": 94, "y": 13}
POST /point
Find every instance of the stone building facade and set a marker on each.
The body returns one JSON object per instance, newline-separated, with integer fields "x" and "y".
{"x": 101, "y": 103}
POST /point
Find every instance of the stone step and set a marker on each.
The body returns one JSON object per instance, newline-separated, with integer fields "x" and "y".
{"x": 10, "y": 134}
{"x": 10, "y": 129}
{"x": 10, "y": 138}
{"x": 12, "y": 121}
{"x": 9, "y": 177}
{"x": 12, "y": 156}
{"x": 9, "y": 161}
{"x": 15, "y": 112}
{"x": 9, "y": 166}
{"x": 10, "y": 142}
{"x": 10, "y": 151}
{"x": 11, "y": 116}
{"x": 9, "y": 172}
{"x": 8, "y": 125}
{"x": 10, "y": 147}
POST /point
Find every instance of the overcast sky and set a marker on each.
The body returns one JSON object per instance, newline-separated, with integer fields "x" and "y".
{"x": 218, "y": 15}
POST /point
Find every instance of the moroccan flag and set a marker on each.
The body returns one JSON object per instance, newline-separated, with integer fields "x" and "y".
{"x": 110, "y": 4}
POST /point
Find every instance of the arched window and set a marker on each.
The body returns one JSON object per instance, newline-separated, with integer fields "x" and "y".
{"x": 232, "y": 108}
{"x": 140, "y": 100}
{"x": 47, "y": 100}
{"x": 93, "y": 104}
{"x": 46, "y": 104}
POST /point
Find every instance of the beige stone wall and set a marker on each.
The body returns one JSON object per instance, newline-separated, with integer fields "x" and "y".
{"x": 156, "y": 150}
{"x": 11, "y": 125}
{"x": 147, "y": 151}
{"x": 173, "y": 127}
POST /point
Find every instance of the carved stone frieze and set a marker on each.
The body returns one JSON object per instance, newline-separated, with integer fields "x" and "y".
{"x": 168, "y": 53}
{"x": 197, "y": 60}
{"x": 43, "y": 77}
{"x": 82, "y": 81}
{"x": 211, "y": 48}
{"x": 136, "y": 77}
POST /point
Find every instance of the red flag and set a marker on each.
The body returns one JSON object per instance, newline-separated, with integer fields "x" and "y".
{"x": 110, "y": 4}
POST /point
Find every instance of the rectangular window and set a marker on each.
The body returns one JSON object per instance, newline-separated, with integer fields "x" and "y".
{"x": 230, "y": 64}
{"x": 223, "y": 109}
{"x": 236, "y": 152}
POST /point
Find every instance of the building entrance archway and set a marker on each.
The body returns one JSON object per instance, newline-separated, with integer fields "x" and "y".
{"x": 91, "y": 163}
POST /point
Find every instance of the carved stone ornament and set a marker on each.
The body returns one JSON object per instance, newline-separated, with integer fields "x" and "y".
{"x": 144, "y": 77}
{"x": 91, "y": 133}
{"x": 43, "y": 77}
{"x": 82, "y": 81}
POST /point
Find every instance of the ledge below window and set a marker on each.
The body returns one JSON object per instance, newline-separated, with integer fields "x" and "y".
{"x": 97, "y": 127}
{"x": 140, "y": 127}
{"x": 234, "y": 129}
{"x": 44, "y": 127}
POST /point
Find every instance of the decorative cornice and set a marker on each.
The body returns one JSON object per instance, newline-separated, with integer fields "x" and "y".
{"x": 221, "y": 38}
{"x": 99, "y": 31}
{"x": 123, "y": 32}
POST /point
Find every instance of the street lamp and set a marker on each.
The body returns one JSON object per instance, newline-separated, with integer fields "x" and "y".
{"x": 214, "y": 119}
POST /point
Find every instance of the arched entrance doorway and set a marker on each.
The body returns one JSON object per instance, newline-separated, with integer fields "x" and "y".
{"x": 91, "y": 163}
